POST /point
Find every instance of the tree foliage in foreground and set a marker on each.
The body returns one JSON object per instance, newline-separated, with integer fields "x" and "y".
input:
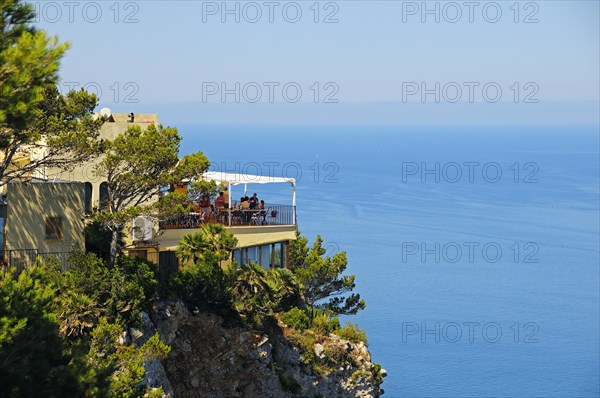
{"x": 34, "y": 116}
{"x": 324, "y": 286}
{"x": 136, "y": 164}
{"x": 211, "y": 242}
{"x": 313, "y": 281}
{"x": 60, "y": 331}
{"x": 34, "y": 358}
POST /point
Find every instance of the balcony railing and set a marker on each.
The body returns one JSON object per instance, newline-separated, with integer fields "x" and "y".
{"x": 25, "y": 258}
{"x": 271, "y": 215}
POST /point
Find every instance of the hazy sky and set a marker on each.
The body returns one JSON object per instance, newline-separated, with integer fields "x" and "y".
{"x": 335, "y": 62}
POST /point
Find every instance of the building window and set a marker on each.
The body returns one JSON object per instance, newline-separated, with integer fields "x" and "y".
{"x": 88, "y": 197}
{"x": 103, "y": 196}
{"x": 141, "y": 254}
{"x": 276, "y": 256}
{"x": 265, "y": 256}
{"x": 253, "y": 255}
{"x": 54, "y": 228}
{"x": 237, "y": 256}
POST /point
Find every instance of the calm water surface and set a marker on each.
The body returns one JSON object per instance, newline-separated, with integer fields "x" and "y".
{"x": 481, "y": 274}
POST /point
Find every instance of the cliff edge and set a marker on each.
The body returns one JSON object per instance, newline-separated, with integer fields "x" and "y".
{"x": 209, "y": 359}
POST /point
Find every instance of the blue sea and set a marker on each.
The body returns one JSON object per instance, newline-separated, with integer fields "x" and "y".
{"x": 475, "y": 248}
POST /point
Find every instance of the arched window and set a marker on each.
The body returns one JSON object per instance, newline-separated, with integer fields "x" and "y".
{"x": 103, "y": 196}
{"x": 88, "y": 197}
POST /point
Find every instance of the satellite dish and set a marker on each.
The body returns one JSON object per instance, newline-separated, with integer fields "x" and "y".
{"x": 106, "y": 112}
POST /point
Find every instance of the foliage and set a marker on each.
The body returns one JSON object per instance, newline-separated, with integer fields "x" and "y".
{"x": 34, "y": 116}
{"x": 251, "y": 295}
{"x": 306, "y": 342}
{"x": 120, "y": 293}
{"x": 204, "y": 285}
{"x": 296, "y": 318}
{"x": 285, "y": 289}
{"x": 203, "y": 190}
{"x": 211, "y": 242}
{"x": 134, "y": 288}
{"x": 124, "y": 363}
{"x": 28, "y": 64}
{"x": 136, "y": 164}
{"x": 323, "y": 285}
{"x": 61, "y": 332}
{"x": 251, "y": 292}
{"x": 172, "y": 204}
{"x": 324, "y": 324}
{"x": 258, "y": 293}
{"x": 377, "y": 373}
{"x": 33, "y": 358}
{"x": 352, "y": 333}
{"x": 97, "y": 240}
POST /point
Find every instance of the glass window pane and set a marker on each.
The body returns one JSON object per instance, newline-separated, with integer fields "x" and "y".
{"x": 237, "y": 256}
{"x": 253, "y": 254}
{"x": 265, "y": 260}
{"x": 277, "y": 259}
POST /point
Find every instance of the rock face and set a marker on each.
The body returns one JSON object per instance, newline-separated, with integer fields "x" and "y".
{"x": 212, "y": 361}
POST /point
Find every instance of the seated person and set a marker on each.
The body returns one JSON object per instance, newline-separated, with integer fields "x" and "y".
{"x": 220, "y": 201}
{"x": 226, "y": 197}
{"x": 253, "y": 201}
{"x": 244, "y": 203}
{"x": 262, "y": 213}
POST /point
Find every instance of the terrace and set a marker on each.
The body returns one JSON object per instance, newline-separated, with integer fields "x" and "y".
{"x": 234, "y": 215}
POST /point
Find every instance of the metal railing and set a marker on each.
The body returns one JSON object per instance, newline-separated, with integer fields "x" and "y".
{"x": 22, "y": 259}
{"x": 166, "y": 262}
{"x": 271, "y": 215}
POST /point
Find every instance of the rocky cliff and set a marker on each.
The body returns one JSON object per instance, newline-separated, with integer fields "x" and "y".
{"x": 211, "y": 360}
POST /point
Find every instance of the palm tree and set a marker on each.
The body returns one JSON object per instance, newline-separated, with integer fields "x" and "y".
{"x": 193, "y": 247}
{"x": 252, "y": 296}
{"x": 222, "y": 242}
{"x": 283, "y": 287}
{"x": 210, "y": 240}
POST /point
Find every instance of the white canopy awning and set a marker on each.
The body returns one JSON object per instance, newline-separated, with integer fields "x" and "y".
{"x": 235, "y": 179}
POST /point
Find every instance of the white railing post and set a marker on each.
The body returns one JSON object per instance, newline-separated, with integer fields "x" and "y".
{"x": 293, "y": 203}
{"x": 229, "y": 204}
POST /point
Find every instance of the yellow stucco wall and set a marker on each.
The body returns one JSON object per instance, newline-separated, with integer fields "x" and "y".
{"x": 28, "y": 206}
{"x": 261, "y": 235}
{"x": 109, "y": 130}
{"x": 246, "y": 236}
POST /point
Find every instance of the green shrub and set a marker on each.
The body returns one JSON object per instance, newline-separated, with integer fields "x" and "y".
{"x": 60, "y": 331}
{"x": 336, "y": 354}
{"x": 125, "y": 363}
{"x": 377, "y": 376}
{"x": 97, "y": 240}
{"x": 324, "y": 324}
{"x": 296, "y": 318}
{"x": 134, "y": 287}
{"x": 34, "y": 359}
{"x": 283, "y": 288}
{"x": 306, "y": 342}
{"x": 352, "y": 333}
